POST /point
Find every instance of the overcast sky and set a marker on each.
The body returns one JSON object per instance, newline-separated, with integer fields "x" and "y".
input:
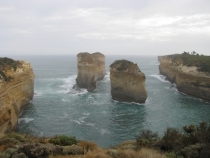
{"x": 135, "y": 27}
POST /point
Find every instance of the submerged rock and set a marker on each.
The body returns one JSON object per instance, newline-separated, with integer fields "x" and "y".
{"x": 16, "y": 91}
{"x": 127, "y": 82}
{"x": 91, "y": 68}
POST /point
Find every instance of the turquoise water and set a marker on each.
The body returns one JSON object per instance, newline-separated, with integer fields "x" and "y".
{"x": 58, "y": 109}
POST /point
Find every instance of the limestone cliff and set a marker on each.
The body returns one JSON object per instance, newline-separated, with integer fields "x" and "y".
{"x": 16, "y": 91}
{"x": 127, "y": 82}
{"x": 187, "y": 78}
{"x": 91, "y": 68}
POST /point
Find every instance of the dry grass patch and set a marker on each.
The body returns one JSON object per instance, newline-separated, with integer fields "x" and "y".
{"x": 149, "y": 153}
{"x": 88, "y": 146}
{"x": 143, "y": 153}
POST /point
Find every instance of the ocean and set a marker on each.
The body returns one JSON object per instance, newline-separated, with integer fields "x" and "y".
{"x": 58, "y": 109}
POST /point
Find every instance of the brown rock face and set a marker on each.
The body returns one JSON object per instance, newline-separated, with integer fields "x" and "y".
{"x": 91, "y": 68}
{"x": 16, "y": 91}
{"x": 127, "y": 82}
{"x": 188, "y": 79}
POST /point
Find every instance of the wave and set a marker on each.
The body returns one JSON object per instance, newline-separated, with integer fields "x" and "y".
{"x": 106, "y": 77}
{"x": 172, "y": 87}
{"x": 81, "y": 121}
{"x": 130, "y": 103}
{"x": 38, "y": 94}
{"x": 25, "y": 120}
{"x": 59, "y": 86}
{"x": 64, "y": 116}
{"x": 86, "y": 113}
{"x": 103, "y": 131}
{"x": 160, "y": 77}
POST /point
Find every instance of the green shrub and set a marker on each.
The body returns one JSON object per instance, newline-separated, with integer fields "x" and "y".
{"x": 63, "y": 140}
{"x": 7, "y": 79}
{"x": 16, "y": 136}
{"x": 9, "y": 62}
{"x": 145, "y": 138}
{"x": 172, "y": 139}
{"x": 122, "y": 64}
{"x": 148, "y": 134}
{"x": 200, "y": 61}
{"x": 172, "y": 155}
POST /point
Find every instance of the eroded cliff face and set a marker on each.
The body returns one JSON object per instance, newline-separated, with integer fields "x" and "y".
{"x": 127, "y": 82}
{"x": 16, "y": 91}
{"x": 188, "y": 79}
{"x": 91, "y": 68}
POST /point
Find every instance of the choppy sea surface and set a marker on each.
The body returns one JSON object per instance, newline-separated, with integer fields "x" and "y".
{"x": 58, "y": 109}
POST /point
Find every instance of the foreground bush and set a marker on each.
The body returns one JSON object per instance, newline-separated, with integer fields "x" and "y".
{"x": 190, "y": 142}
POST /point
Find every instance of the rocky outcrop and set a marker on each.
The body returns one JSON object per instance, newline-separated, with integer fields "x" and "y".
{"x": 127, "y": 82}
{"x": 91, "y": 68}
{"x": 187, "y": 78}
{"x": 16, "y": 91}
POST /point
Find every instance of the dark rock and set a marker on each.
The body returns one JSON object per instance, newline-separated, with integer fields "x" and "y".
{"x": 36, "y": 150}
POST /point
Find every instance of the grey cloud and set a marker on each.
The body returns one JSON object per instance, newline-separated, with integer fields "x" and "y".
{"x": 121, "y": 26}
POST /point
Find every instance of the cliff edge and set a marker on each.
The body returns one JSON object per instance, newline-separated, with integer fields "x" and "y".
{"x": 189, "y": 72}
{"x": 91, "y": 68}
{"x": 127, "y": 82}
{"x": 16, "y": 91}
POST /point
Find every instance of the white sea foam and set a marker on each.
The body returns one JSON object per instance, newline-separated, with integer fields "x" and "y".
{"x": 76, "y": 121}
{"x": 63, "y": 100}
{"x": 104, "y": 112}
{"x": 81, "y": 121}
{"x": 25, "y": 120}
{"x": 103, "y": 131}
{"x": 67, "y": 86}
{"x": 64, "y": 116}
{"x": 86, "y": 113}
{"x": 173, "y": 87}
{"x": 129, "y": 102}
{"x": 38, "y": 94}
{"x": 106, "y": 77}
{"x": 90, "y": 124}
{"x": 160, "y": 77}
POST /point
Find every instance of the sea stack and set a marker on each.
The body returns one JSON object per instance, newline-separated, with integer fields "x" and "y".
{"x": 91, "y": 68}
{"x": 190, "y": 73}
{"x": 127, "y": 82}
{"x": 16, "y": 91}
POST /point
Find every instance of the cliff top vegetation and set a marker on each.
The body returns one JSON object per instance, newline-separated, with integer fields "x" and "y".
{"x": 6, "y": 64}
{"x": 123, "y": 65}
{"x": 193, "y": 59}
{"x": 81, "y": 54}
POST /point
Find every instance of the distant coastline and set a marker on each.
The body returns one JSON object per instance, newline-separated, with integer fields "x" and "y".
{"x": 191, "y": 73}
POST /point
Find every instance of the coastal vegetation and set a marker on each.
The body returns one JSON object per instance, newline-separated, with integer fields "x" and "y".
{"x": 193, "y": 59}
{"x": 189, "y": 142}
{"x": 122, "y": 65}
{"x": 6, "y": 64}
